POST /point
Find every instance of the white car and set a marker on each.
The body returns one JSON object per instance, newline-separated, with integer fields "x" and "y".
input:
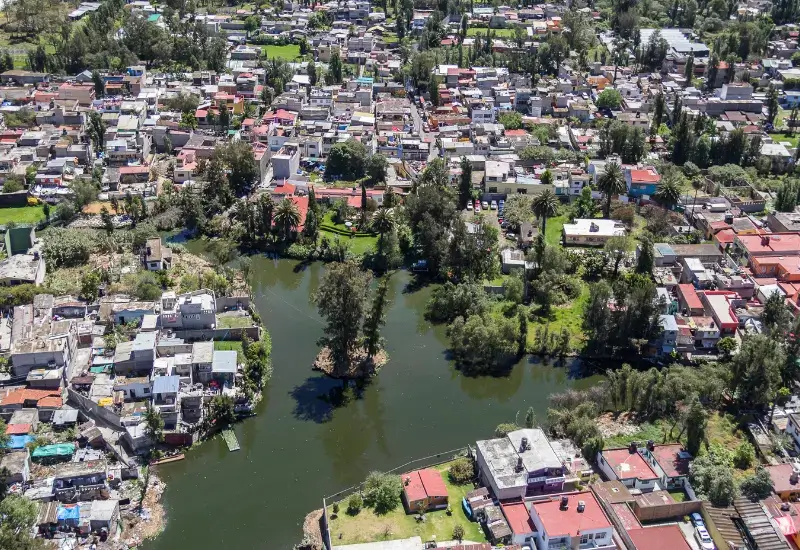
{"x": 485, "y": 205}
{"x": 702, "y": 536}
{"x": 493, "y": 205}
{"x": 469, "y": 205}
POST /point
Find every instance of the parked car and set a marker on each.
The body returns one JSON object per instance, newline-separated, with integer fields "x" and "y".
{"x": 697, "y": 520}
{"x": 493, "y": 205}
{"x": 484, "y": 205}
{"x": 469, "y": 206}
{"x": 477, "y": 206}
{"x": 702, "y": 536}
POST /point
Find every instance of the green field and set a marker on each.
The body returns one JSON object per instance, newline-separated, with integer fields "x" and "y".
{"x": 290, "y": 52}
{"x": 569, "y": 316}
{"x": 497, "y": 33}
{"x": 21, "y": 215}
{"x": 360, "y": 243}
{"x": 783, "y": 137}
{"x": 234, "y": 321}
{"x": 366, "y": 526}
{"x": 554, "y": 228}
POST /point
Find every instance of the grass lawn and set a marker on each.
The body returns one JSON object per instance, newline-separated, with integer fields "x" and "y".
{"x": 366, "y": 526}
{"x": 554, "y": 229}
{"x": 780, "y": 136}
{"x": 358, "y": 245}
{"x": 234, "y": 321}
{"x": 569, "y": 316}
{"x": 225, "y": 345}
{"x": 498, "y": 33}
{"x": 678, "y": 496}
{"x": 21, "y": 214}
{"x": 288, "y": 52}
{"x": 647, "y": 431}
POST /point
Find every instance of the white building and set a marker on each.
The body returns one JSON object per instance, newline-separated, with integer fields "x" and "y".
{"x": 592, "y": 232}
{"x": 572, "y": 521}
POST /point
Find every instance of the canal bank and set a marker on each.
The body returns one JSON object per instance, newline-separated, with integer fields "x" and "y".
{"x": 311, "y": 439}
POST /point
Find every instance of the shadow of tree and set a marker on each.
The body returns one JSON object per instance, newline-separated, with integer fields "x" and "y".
{"x": 319, "y": 396}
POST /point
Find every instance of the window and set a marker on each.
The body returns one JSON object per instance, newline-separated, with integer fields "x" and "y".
{"x": 584, "y": 539}
{"x": 146, "y": 390}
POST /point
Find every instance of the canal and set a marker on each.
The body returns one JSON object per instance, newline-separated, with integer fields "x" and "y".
{"x": 309, "y": 440}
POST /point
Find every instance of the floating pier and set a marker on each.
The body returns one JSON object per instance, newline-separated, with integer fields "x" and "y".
{"x": 230, "y": 439}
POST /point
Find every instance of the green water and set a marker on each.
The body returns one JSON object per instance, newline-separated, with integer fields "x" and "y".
{"x": 306, "y": 442}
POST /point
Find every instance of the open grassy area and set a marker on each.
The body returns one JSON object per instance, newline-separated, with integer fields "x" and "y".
{"x": 228, "y": 345}
{"x": 21, "y": 214}
{"x": 780, "y": 136}
{"x": 360, "y": 243}
{"x": 234, "y": 321}
{"x": 289, "y": 52}
{"x": 554, "y": 229}
{"x": 498, "y": 33}
{"x": 366, "y": 526}
{"x": 569, "y": 316}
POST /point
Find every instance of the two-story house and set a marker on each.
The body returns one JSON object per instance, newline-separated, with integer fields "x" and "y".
{"x": 571, "y": 521}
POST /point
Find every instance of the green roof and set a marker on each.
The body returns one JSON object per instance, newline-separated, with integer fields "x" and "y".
{"x": 18, "y": 240}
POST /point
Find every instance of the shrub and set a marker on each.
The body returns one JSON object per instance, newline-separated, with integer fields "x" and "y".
{"x": 335, "y": 507}
{"x": 503, "y": 430}
{"x": 744, "y": 456}
{"x": 458, "y": 532}
{"x": 462, "y": 471}
{"x": 355, "y": 504}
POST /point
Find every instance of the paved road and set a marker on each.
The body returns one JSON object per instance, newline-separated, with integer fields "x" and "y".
{"x": 419, "y": 130}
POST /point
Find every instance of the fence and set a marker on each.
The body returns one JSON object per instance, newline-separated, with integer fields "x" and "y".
{"x": 254, "y": 333}
{"x": 666, "y": 511}
{"x": 426, "y": 462}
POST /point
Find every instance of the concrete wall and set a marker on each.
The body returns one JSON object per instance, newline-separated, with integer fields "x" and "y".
{"x": 87, "y": 405}
{"x": 232, "y": 302}
{"x": 666, "y": 511}
{"x": 254, "y": 333}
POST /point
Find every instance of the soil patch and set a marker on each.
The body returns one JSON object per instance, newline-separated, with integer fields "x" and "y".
{"x": 360, "y": 364}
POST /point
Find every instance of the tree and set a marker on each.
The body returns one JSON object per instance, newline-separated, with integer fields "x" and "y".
{"x": 465, "y": 183}
{"x": 376, "y": 167}
{"x": 382, "y": 492}
{"x": 340, "y": 301}
{"x": 188, "y": 121}
{"x": 222, "y": 411}
{"x": 383, "y": 222}
{"x": 757, "y": 486}
{"x": 433, "y": 90}
{"x": 511, "y": 120}
{"x": 772, "y": 105}
{"x": 696, "y": 423}
{"x": 756, "y": 371}
{"x": 108, "y": 222}
{"x": 153, "y": 424}
{"x": 376, "y": 318}
{"x": 96, "y": 129}
{"x": 726, "y": 346}
{"x": 13, "y": 184}
{"x": 17, "y": 517}
{"x": 669, "y": 193}
{"x": 611, "y": 183}
{"x": 744, "y": 456}
{"x": 618, "y": 248}
{"x": 90, "y": 286}
{"x": 251, "y": 23}
{"x": 609, "y": 98}
{"x": 646, "y": 260}
{"x": 287, "y": 218}
{"x": 311, "y": 71}
{"x": 334, "y": 74}
{"x": 458, "y": 530}
{"x": 547, "y": 177}
{"x": 545, "y": 205}
{"x": 224, "y": 118}
{"x": 518, "y": 210}
{"x": 776, "y": 315}
{"x": 530, "y": 418}
{"x": 711, "y": 476}
{"x": 346, "y": 161}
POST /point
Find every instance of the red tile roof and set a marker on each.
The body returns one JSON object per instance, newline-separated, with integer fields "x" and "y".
{"x": 20, "y": 396}
{"x": 559, "y": 523}
{"x": 626, "y": 516}
{"x": 785, "y": 242}
{"x": 422, "y": 484}
{"x": 672, "y": 459}
{"x": 18, "y": 429}
{"x": 515, "y": 132}
{"x": 645, "y": 176}
{"x": 50, "y": 403}
{"x": 781, "y": 475}
{"x": 690, "y": 296}
{"x": 659, "y": 537}
{"x": 302, "y": 206}
{"x": 628, "y": 465}
{"x": 519, "y": 518}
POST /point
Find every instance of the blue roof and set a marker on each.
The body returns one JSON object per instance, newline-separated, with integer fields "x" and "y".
{"x": 166, "y": 384}
{"x": 70, "y": 511}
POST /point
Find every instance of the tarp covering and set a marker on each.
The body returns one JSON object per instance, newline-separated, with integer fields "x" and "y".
{"x": 18, "y": 441}
{"x": 59, "y": 449}
{"x": 69, "y": 512}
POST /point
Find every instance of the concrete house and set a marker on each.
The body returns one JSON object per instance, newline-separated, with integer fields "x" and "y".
{"x": 192, "y": 310}
{"x": 572, "y": 521}
{"x": 630, "y": 467}
{"x": 157, "y": 256}
{"x": 202, "y": 359}
{"x": 424, "y": 490}
{"x": 136, "y": 356}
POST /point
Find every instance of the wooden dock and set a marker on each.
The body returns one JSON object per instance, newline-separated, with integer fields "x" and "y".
{"x": 167, "y": 460}
{"x": 230, "y": 439}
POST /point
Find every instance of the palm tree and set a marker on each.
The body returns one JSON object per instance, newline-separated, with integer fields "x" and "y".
{"x": 611, "y": 183}
{"x": 382, "y": 222}
{"x": 669, "y": 193}
{"x": 545, "y": 205}
{"x": 287, "y": 217}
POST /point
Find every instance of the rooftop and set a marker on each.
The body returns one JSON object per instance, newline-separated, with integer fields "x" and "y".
{"x": 518, "y": 517}
{"x": 628, "y": 465}
{"x": 422, "y": 484}
{"x": 571, "y": 522}
{"x": 659, "y": 537}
